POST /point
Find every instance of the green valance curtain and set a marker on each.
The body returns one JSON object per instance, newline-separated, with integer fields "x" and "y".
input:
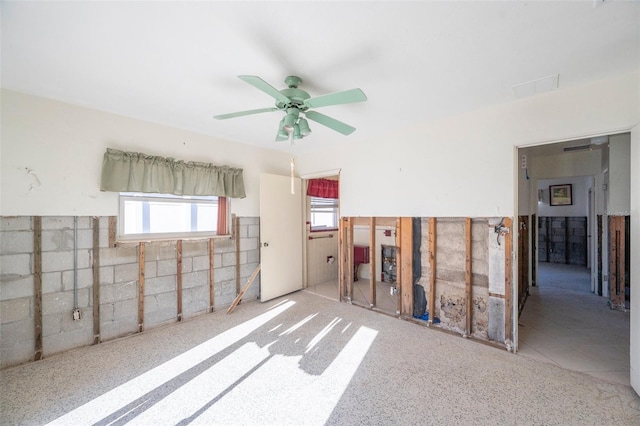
{"x": 137, "y": 172}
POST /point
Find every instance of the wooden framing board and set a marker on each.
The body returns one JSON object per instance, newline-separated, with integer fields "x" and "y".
{"x": 372, "y": 262}
{"x": 432, "y": 269}
{"x": 468, "y": 275}
{"x": 37, "y": 286}
{"x": 236, "y": 233}
{"x": 113, "y": 222}
{"x": 95, "y": 265}
{"x": 244, "y": 290}
{"x": 398, "y": 282}
{"x": 617, "y": 234}
{"x": 508, "y": 281}
{"x": 212, "y": 296}
{"x": 406, "y": 266}
{"x": 140, "y": 287}
{"x": 341, "y": 258}
{"x": 179, "y": 277}
{"x": 350, "y": 259}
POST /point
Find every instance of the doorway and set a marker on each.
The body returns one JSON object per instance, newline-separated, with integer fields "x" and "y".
{"x": 567, "y": 318}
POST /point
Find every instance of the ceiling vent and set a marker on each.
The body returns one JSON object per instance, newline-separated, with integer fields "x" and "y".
{"x": 535, "y": 87}
{"x": 576, "y": 148}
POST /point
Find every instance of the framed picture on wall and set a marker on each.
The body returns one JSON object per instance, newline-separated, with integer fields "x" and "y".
{"x": 560, "y": 195}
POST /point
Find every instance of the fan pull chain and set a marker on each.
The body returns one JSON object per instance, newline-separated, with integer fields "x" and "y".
{"x": 293, "y": 191}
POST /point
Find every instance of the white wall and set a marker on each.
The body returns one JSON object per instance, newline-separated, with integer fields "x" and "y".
{"x": 635, "y": 264}
{"x": 619, "y": 175}
{"x": 52, "y": 157}
{"x": 464, "y": 166}
{"x": 580, "y": 197}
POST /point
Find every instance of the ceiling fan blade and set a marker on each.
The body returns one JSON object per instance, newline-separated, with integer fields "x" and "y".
{"x": 331, "y": 123}
{"x": 241, "y": 113}
{"x": 259, "y": 83}
{"x": 346, "y": 97}
{"x": 280, "y": 138}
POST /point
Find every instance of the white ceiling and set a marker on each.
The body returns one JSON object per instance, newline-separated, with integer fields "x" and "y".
{"x": 176, "y": 63}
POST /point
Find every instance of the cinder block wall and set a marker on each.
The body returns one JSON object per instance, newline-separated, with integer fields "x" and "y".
{"x": 119, "y": 272}
{"x": 450, "y": 258}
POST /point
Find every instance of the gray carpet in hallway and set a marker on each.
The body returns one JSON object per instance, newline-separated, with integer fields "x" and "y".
{"x": 304, "y": 359}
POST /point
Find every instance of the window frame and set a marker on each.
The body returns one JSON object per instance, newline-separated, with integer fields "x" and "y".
{"x": 164, "y": 236}
{"x": 336, "y": 214}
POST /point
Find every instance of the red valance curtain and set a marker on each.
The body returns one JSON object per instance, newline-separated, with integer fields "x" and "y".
{"x": 322, "y": 188}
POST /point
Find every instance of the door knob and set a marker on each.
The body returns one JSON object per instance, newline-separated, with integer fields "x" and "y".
{"x": 265, "y": 244}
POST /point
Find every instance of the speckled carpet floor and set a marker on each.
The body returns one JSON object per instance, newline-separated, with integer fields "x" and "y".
{"x": 304, "y": 359}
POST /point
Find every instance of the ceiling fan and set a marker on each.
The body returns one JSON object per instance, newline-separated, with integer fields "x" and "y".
{"x": 296, "y": 104}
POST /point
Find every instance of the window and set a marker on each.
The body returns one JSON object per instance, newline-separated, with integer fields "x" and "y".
{"x": 324, "y": 214}
{"x": 165, "y": 216}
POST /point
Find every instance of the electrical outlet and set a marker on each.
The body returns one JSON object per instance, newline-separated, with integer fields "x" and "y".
{"x": 76, "y": 314}
{"x": 523, "y": 162}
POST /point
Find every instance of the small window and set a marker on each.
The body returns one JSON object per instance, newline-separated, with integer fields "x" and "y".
{"x": 164, "y": 216}
{"x": 324, "y": 214}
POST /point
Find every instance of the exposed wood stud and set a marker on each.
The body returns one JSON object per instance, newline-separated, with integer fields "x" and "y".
{"x": 342, "y": 258}
{"x": 372, "y": 262}
{"x": 37, "y": 286}
{"x": 179, "y": 277}
{"x": 212, "y": 297}
{"x": 617, "y": 270}
{"x": 236, "y": 232}
{"x": 432, "y": 269}
{"x": 95, "y": 265}
{"x": 406, "y": 266}
{"x": 112, "y": 230}
{"x": 508, "y": 281}
{"x": 468, "y": 277}
{"x": 140, "y": 287}
{"x": 350, "y": 259}
{"x": 238, "y": 298}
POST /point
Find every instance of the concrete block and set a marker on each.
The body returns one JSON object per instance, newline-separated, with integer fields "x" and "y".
{"x": 249, "y": 220}
{"x": 187, "y": 265}
{"x": 223, "y": 245}
{"x": 16, "y": 242}
{"x": 126, "y": 272}
{"x": 16, "y": 287}
{"x": 225, "y": 292}
{"x": 160, "y": 285}
{"x": 167, "y": 267}
{"x": 123, "y": 309}
{"x": 52, "y": 324}
{"x": 107, "y": 312}
{"x": 15, "y": 310}
{"x": 85, "y": 279}
{"x": 17, "y": 354}
{"x": 253, "y": 256}
{"x": 57, "y": 261}
{"x": 225, "y": 274}
{"x": 217, "y": 260}
{"x": 51, "y": 282}
{"x": 228, "y": 259}
{"x": 65, "y": 341}
{"x": 253, "y": 231}
{"x": 106, "y": 274}
{"x": 17, "y": 332}
{"x": 200, "y": 263}
{"x": 496, "y": 263}
{"x": 195, "y": 301}
{"x": 16, "y": 223}
{"x": 195, "y": 248}
{"x": 162, "y": 310}
{"x": 243, "y": 231}
{"x": 117, "y": 292}
{"x": 195, "y": 279}
{"x": 248, "y": 244}
{"x": 150, "y": 269}
{"x": 246, "y": 270}
{"x": 57, "y": 222}
{"x": 57, "y": 239}
{"x": 114, "y": 329}
{"x": 104, "y": 233}
{"x": 57, "y": 303}
{"x": 118, "y": 255}
{"x": 160, "y": 251}
{"x": 495, "y": 330}
{"x": 15, "y": 266}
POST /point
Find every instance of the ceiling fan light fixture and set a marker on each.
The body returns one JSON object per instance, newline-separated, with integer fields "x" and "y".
{"x": 303, "y": 126}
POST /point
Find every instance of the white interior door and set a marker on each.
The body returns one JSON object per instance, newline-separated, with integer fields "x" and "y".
{"x": 280, "y": 236}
